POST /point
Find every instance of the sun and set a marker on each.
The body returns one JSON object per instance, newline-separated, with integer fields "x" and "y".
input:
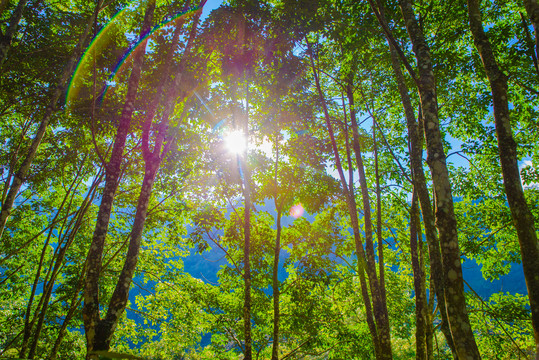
{"x": 235, "y": 142}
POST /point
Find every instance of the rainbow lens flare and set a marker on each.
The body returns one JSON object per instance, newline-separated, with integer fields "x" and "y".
{"x": 95, "y": 57}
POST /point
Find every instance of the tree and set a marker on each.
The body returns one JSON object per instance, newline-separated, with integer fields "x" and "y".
{"x": 19, "y": 176}
{"x": 522, "y": 217}
{"x": 321, "y": 234}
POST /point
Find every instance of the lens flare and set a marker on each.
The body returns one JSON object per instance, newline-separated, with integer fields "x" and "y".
{"x": 297, "y": 211}
{"x": 97, "y": 50}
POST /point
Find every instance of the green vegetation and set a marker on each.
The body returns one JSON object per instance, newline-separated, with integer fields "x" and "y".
{"x": 339, "y": 159}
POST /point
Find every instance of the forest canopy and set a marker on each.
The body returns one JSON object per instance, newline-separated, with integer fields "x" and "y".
{"x": 274, "y": 179}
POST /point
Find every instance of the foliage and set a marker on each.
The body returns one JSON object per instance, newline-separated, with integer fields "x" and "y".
{"x": 250, "y": 62}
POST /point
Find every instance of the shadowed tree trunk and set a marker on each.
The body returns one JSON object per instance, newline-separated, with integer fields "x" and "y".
{"x": 532, "y": 8}
{"x": 363, "y": 266}
{"x": 21, "y": 174}
{"x": 379, "y": 305}
{"x": 507, "y": 147}
{"x": 112, "y": 178}
{"x": 419, "y": 282}
{"x": 459, "y": 323}
{"x": 420, "y": 184}
{"x": 7, "y": 38}
{"x": 152, "y": 158}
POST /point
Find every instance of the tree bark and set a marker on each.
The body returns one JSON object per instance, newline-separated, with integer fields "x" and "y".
{"x": 246, "y": 180}
{"x": 507, "y": 147}
{"x": 276, "y": 253}
{"x": 459, "y": 323}
{"x": 420, "y": 184}
{"x": 350, "y": 201}
{"x": 7, "y": 38}
{"x": 381, "y": 263}
{"x": 379, "y": 306}
{"x": 20, "y": 175}
{"x": 113, "y": 169}
{"x": 275, "y": 286}
{"x": 419, "y": 283}
{"x": 153, "y": 159}
{"x": 118, "y": 301}
{"x": 532, "y": 8}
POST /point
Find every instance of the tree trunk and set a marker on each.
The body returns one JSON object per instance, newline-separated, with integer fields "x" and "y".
{"x": 350, "y": 201}
{"x": 276, "y": 253}
{"x": 459, "y": 323}
{"x": 75, "y": 302}
{"x": 430, "y": 324}
{"x": 381, "y": 263}
{"x": 153, "y": 159}
{"x": 379, "y": 306}
{"x": 47, "y": 288}
{"x": 20, "y": 175}
{"x": 29, "y": 324}
{"x": 507, "y": 147}
{"x": 275, "y": 286}
{"x": 419, "y": 282}
{"x": 7, "y": 38}
{"x": 246, "y": 180}
{"x": 420, "y": 184}
{"x": 58, "y": 262}
{"x": 113, "y": 169}
{"x": 532, "y": 8}
{"x": 118, "y": 301}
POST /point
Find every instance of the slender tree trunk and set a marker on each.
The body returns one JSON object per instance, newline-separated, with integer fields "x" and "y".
{"x": 276, "y": 290}
{"x": 459, "y": 323}
{"x": 430, "y": 325}
{"x": 241, "y": 119}
{"x": 118, "y": 301}
{"x": 7, "y": 38}
{"x": 419, "y": 282}
{"x": 416, "y": 159}
{"x": 420, "y": 184}
{"x": 246, "y": 179}
{"x": 276, "y": 253}
{"x": 75, "y": 303}
{"x": 13, "y": 160}
{"x": 58, "y": 262}
{"x": 20, "y": 175}
{"x": 29, "y": 325}
{"x": 379, "y": 239}
{"x": 113, "y": 170}
{"x": 350, "y": 201}
{"x": 379, "y": 306}
{"x": 532, "y": 8}
{"x": 507, "y": 147}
